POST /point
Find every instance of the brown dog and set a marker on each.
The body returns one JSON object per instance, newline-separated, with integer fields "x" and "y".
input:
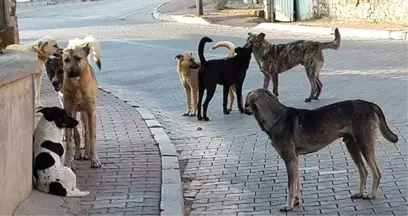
{"x": 295, "y": 132}
{"x": 187, "y": 69}
{"x": 44, "y": 47}
{"x": 79, "y": 95}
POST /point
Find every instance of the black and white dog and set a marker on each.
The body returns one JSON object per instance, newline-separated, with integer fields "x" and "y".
{"x": 50, "y": 175}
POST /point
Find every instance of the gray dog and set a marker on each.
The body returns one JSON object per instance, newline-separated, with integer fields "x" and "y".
{"x": 273, "y": 59}
{"x": 296, "y": 132}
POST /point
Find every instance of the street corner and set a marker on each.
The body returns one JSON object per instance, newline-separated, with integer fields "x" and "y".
{"x": 171, "y": 202}
{"x": 188, "y": 19}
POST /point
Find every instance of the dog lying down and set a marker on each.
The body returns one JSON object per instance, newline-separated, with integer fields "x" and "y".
{"x": 296, "y": 132}
{"x": 50, "y": 175}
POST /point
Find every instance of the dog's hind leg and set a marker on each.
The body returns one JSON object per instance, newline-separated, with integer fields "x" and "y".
{"x": 275, "y": 82}
{"x": 319, "y": 88}
{"x": 291, "y": 162}
{"x": 231, "y": 92}
{"x": 318, "y": 67}
{"x": 355, "y": 153}
{"x": 297, "y": 194}
{"x": 239, "y": 97}
{"x": 77, "y": 138}
{"x": 367, "y": 146}
{"x": 312, "y": 80}
{"x": 187, "y": 90}
{"x": 266, "y": 80}
{"x": 225, "y": 92}
{"x": 200, "y": 100}
{"x": 195, "y": 98}
{"x": 210, "y": 94}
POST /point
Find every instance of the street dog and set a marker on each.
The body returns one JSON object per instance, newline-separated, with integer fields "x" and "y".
{"x": 187, "y": 69}
{"x": 50, "y": 175}
{"x": 273, "y": 59}
{"x": 79, "y": 95}
{"x": 55, "y": 73}
{"x": 295, "y": 132}
{"x": 44, "y": 47}
{"x": 227, "y": 71}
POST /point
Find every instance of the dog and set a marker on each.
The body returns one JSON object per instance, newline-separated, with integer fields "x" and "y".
{"x": 50, "y": 175}
{"x": 187, "y": 69}
{"x": 274, "y": 59}
{"x": 55, "y": 73}
{"x": 44, "y": 47}
{"x": 295, "y": 132}
{"x": 79, "y": 91}
{"x": 226, "y": 72}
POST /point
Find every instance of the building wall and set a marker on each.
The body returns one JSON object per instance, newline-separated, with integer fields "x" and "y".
{"x": 395, "y": 11}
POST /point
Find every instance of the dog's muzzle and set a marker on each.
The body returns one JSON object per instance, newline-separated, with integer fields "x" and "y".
{"x": 74, "y": 74}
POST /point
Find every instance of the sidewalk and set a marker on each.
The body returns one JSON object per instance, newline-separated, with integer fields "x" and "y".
{"x": 185, "y": 11}
{"x": 130, "y": 181}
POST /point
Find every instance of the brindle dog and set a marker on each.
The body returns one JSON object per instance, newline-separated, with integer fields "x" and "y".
{"x": 274, "y": 59}
{"x": 79, "y": 95}
{"x": 295, "y": 132}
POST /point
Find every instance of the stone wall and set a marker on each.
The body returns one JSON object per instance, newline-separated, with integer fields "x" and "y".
{"x": 16, "y": 129}
{"x": 10, "y": 35}
{"x": 394, "y": 11}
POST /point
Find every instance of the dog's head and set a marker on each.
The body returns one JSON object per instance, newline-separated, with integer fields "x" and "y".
{"x": 59, "y": 116}
{"x": 259, "y": 98}
{"x": 187, "y": 60}
{"x": 243, "y": 51}
{"x": 54, "y": 68}
{"x": 255, "y": 40}
{"x": 46, "y": 46}
{"x": 74, "y": 59}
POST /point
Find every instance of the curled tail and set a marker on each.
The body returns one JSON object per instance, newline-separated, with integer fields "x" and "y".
{"x": 225, "y": 44}
{"x": 384, "y": 129}
{"x": 335, "y": 44}
{"x": 201, "y": 49}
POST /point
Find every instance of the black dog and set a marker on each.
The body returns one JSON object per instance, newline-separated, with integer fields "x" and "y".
{"x": 226, "y": 72}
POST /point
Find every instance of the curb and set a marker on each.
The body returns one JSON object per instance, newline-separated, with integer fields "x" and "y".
{"x": 171, "y": 202}
{"x": 347, "y": 32}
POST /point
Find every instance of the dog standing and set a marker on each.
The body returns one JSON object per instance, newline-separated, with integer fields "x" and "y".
{"x": 295, "y": 132}
{"x": 44, "y": 47}
{"x": 50, "y": 175}
{"x": 187, "y": 69}
{"x": 79, "y": 95}
{"x": 274, "y": 59}
{"x": 227, "y": 72}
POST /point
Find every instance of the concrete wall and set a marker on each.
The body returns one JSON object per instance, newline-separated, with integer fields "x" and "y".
{"x": 16, "y": 128}
{"x": 395, "y": 11}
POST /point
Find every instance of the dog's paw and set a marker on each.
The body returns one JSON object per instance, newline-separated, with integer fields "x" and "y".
{"x": 199, "y": 118}
{"x": 192, "y": 114}
{"x": 357, "y": 196}
{"x": 226, "y": 112}
{"x": 286, "y": 208}
{"x": 78, "y": 155}
{"x": 296, "y": 201}
{"x": 307, "y": 100}
{"x": 95, "y": 163}
{"x": 71, "y": 164}
{"x": 206, "y": 119}
{"x": 368, "y": 196}
{"x": 186, "y": 114}
{"x": 86, "y": 156}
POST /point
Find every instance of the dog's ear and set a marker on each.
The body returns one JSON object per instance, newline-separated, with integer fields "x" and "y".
{"x": 87, "y": 49}
{"x": 179, "y": 57}
{"x": 250, "y": 34}
{"x": 237, "y": 50}
{"x": 47, "y": 112}
{"x": 261, "y": 35}
{"x": 41, "y": 44}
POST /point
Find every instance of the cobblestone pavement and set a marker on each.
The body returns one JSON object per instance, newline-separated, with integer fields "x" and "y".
{"x": 230, "y": 167}
{"x": 129, "y": 182}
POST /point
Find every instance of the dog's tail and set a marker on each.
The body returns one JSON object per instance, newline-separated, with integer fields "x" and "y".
{"x": 225, "y": 44}
{"x": 96, "y": 49}
{"x": 201, "y": 49}
{"x": 335, "y": 44}
{"x": 384, "y": 129}
{"x": 57, "y": 188}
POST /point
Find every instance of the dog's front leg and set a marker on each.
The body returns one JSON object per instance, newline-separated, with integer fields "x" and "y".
{"x": 232, "y": 90}
{"x": 275, "y": 83}
{"x": 92, "y": 137}
{"x": 291, "y": 167}
{"x": 187, "y": 90}
{"x": 69, "y": 157}
{"x": 225, "y": 92}
{"x": 266, "y": 80}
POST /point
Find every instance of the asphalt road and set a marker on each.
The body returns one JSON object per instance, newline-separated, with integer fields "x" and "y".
{"x": 231, "y": 169}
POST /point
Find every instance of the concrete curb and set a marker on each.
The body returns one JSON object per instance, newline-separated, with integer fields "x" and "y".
{"x": 171, "y": 202}
{"x": 345, "y": 32}
{"x": 177, "y": 18}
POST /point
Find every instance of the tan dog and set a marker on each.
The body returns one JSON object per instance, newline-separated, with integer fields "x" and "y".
{"x": 187, "y": 69}
{"x": 79, "y": 95}
{"x": 44, "y": 47}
